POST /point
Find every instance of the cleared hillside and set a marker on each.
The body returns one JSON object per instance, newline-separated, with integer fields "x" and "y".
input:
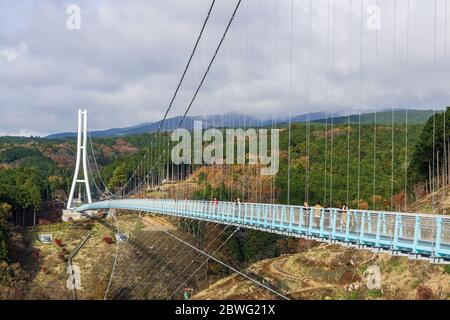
{"x": 332, "y": 272}
{"x": 437, "y": 202}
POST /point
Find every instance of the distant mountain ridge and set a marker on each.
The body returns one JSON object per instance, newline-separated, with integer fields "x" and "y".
{"x": 231, "y": 119}
{"x": 242, "y": 120}
{"x": 383, "y": 117}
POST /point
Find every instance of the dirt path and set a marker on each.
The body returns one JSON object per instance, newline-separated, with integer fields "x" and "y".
{"x": 277, "y": 267}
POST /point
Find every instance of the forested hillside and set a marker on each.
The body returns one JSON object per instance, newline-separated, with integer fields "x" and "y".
{"x": 400, "y": 117}
{"x": 347, "y": 164}
{"x": 35, "y": 170}
{"x": 344, "y": 162}
{"x": 431, "y": 154}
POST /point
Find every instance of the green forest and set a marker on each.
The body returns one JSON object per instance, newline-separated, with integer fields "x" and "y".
{"x": 34, "y": 170}
{"x": 346, "y": 164}
{"x": 435, "y": 136}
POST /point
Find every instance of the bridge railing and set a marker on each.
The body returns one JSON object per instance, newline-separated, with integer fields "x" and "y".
{"x": 404, "y": 232}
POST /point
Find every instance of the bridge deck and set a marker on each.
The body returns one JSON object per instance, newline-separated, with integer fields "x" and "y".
{"x": 418, "y": 234}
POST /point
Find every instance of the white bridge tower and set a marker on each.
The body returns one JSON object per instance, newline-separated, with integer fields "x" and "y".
{"x": 81, "y": 159}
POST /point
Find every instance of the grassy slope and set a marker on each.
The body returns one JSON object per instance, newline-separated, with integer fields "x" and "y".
{"x": 332, "y": 272}
{"x": 437, "y": 202}
{"x": 47, "y": 274}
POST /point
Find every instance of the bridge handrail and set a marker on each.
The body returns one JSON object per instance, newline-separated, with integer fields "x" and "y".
{"x": 413, "y": 214}
{"x": 417, "y": 233}
{"x": 326, "y": 209}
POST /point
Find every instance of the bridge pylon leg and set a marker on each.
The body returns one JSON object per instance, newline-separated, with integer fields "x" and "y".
{"x": 81, "y": 160}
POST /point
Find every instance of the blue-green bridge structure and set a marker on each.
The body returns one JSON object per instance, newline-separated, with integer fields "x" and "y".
{"x": 416, "y": 235}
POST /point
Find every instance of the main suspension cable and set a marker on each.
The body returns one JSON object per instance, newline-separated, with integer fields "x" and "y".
{"x": 180, "y": 82}
{"x": 204, "y": 75}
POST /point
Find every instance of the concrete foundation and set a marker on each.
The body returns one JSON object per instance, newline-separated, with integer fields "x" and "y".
{"x": 73, "y": 215}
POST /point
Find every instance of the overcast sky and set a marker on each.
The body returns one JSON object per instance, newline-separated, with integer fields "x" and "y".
{"x": 124, "y": 63}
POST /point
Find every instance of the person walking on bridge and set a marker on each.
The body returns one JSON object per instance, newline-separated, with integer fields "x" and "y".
{"x": 317, "y": 211}
{"x": 344, "y": 213}
{"x": 185, "y": 205}
{"x": 215, "y": 204}
{"x": 238, "y": 206}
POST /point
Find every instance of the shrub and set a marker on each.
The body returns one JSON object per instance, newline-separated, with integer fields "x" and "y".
{"x": 62, "y": 255}
{"x": 447, "y": 269}
{"x": 36, "y": 255}
{"x": 353, "y": 296}
{"x": 415, "y": 283}
{"x": 424, "y": 293}
{"x": 59, "y": 242}
{"x": 3, "y": 250}
{"x": 395, "y": 264}
{"x": 108, "y": 240}
{"x": 374, "y": 294}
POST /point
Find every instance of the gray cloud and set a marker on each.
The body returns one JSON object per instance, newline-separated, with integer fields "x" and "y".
{"x": 124, "y": 63}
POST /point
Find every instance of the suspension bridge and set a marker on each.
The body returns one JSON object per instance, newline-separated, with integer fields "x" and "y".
{"x": 416, "y": 235}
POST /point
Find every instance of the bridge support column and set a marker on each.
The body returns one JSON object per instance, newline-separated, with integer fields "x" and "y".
{"x": 81, "y": 160}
